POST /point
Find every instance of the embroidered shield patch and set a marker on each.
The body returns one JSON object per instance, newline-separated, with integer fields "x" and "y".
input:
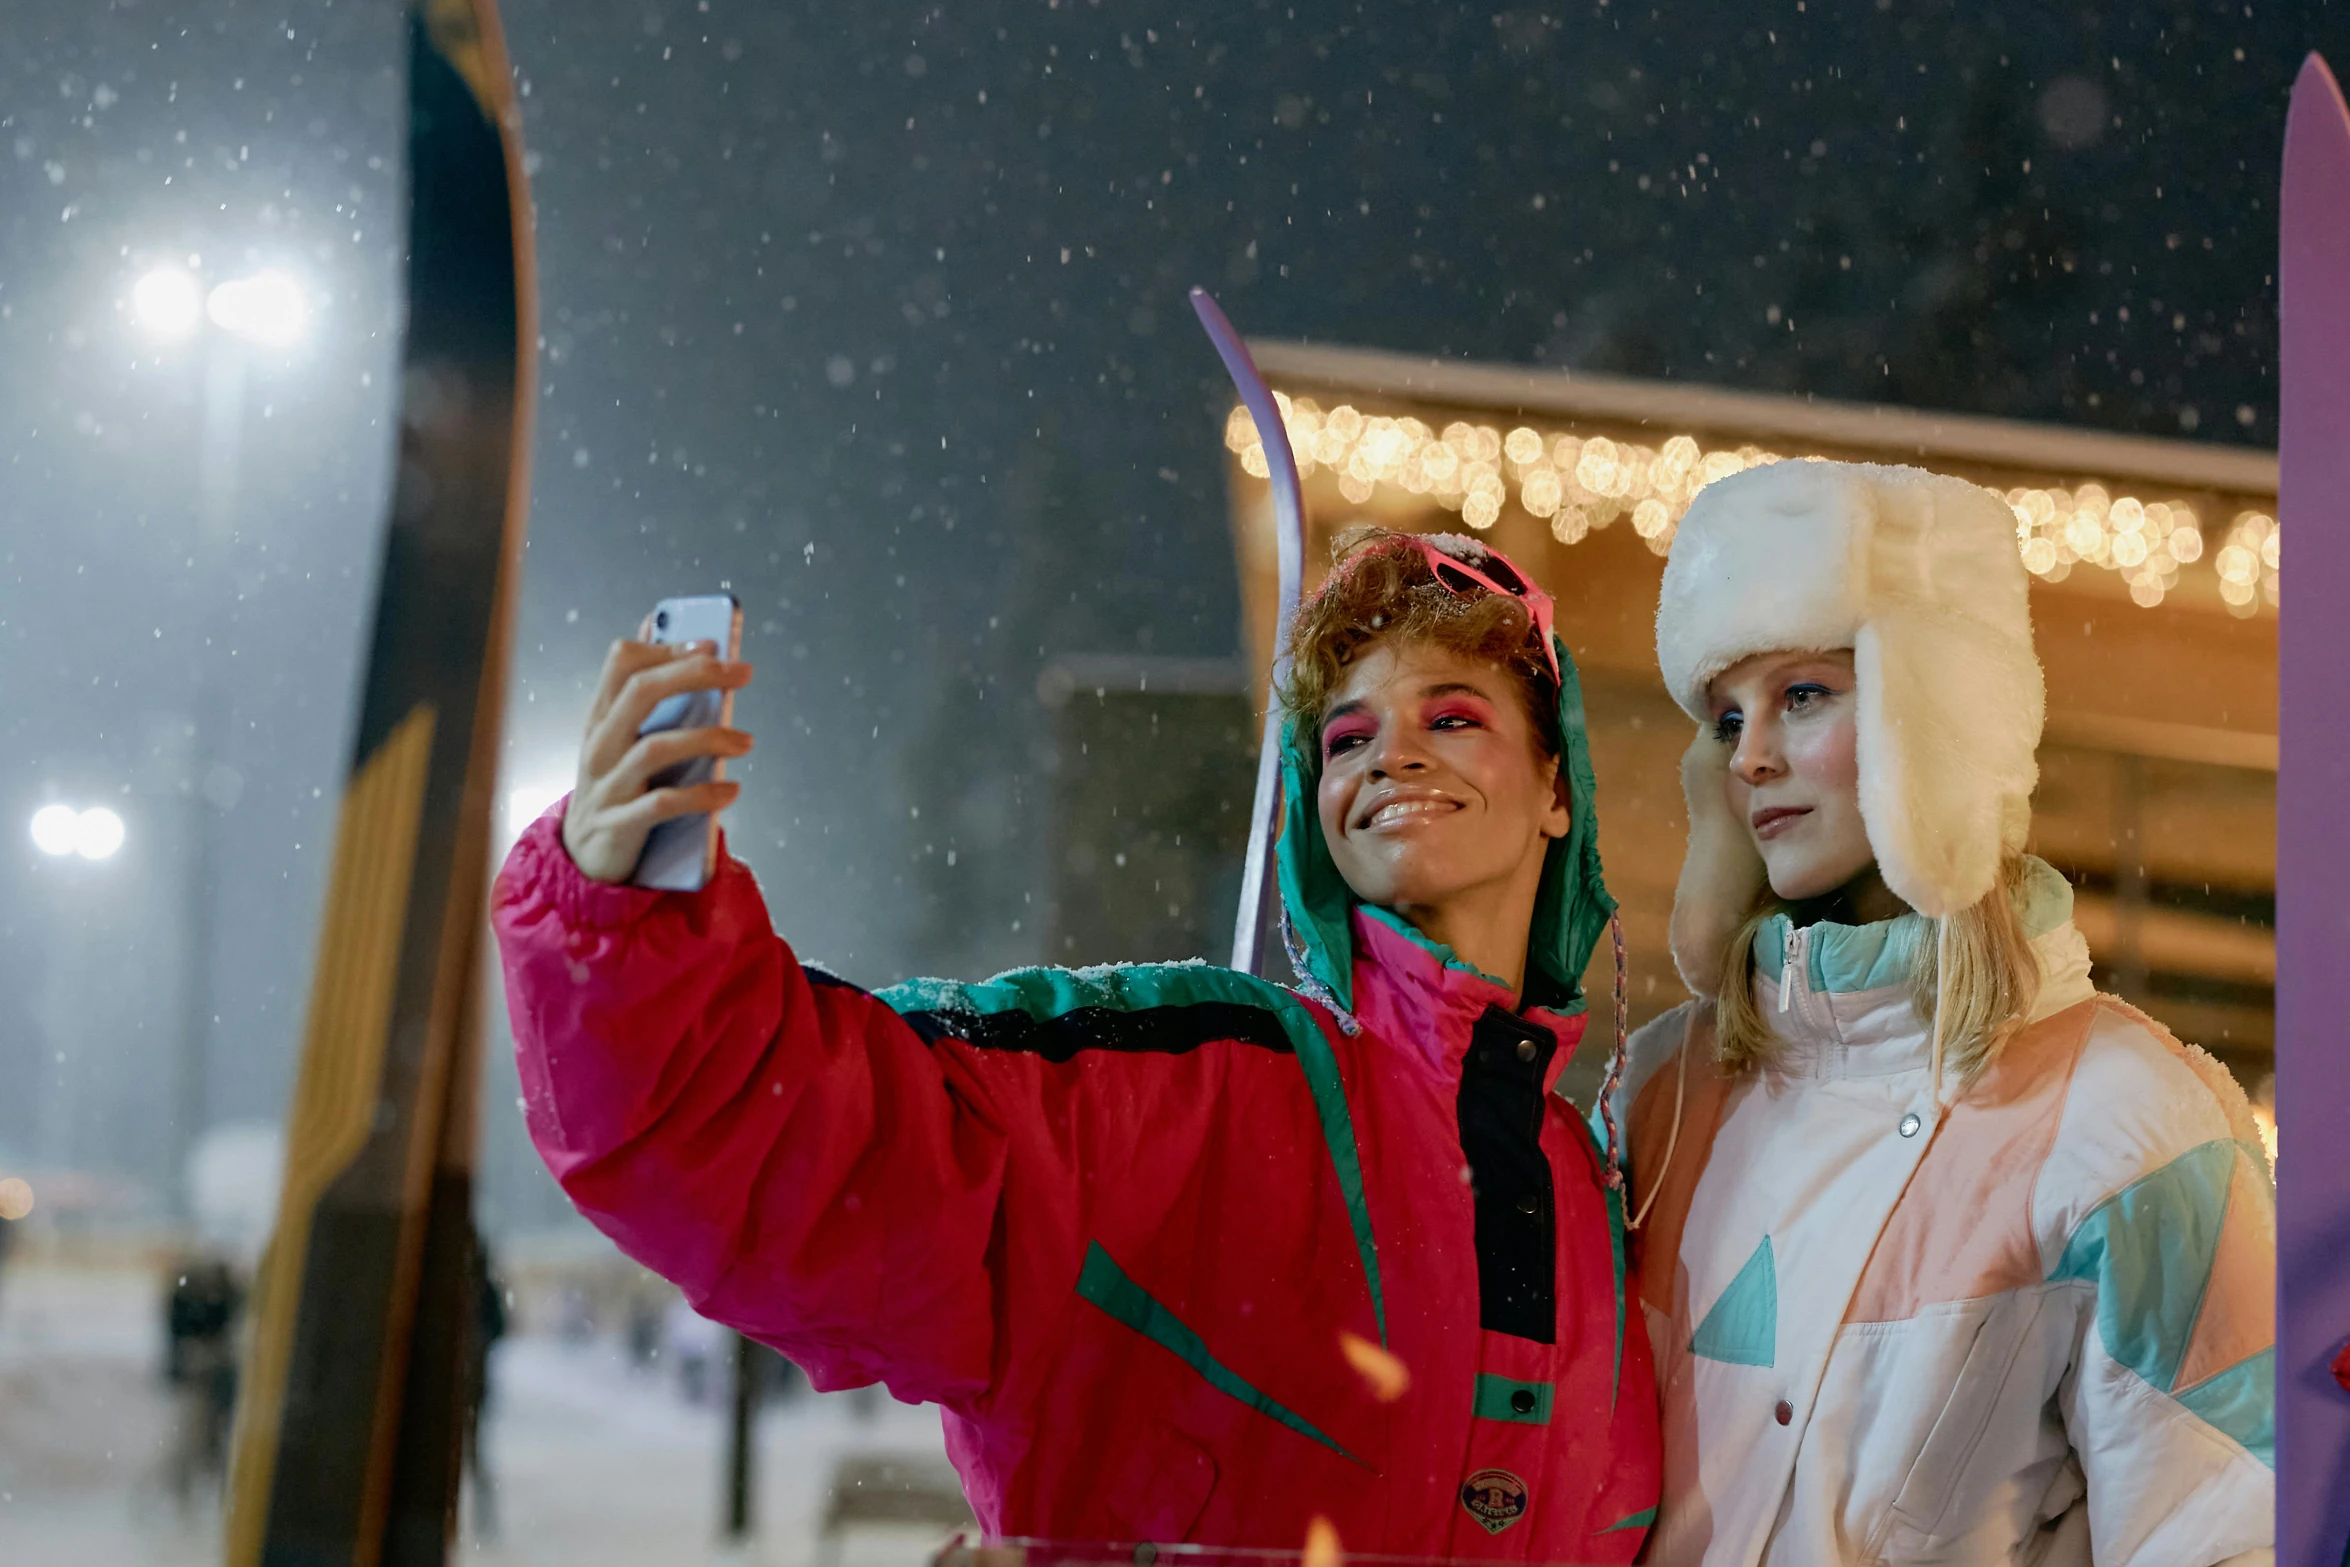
{"x": 1495, "y": 1498}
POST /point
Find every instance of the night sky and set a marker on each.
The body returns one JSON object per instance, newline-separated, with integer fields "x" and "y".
{"x": 876, "y": 315}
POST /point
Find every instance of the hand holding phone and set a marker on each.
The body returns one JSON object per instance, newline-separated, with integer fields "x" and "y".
{"x": 658, "y": 734}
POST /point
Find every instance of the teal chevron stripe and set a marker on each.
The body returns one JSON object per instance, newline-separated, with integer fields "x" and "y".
{"x": 1106, "y": 1285}
{"x": 2241, "y": 1402}
{"x": 1338, "y": 1134}
{"x": 1124, "y": 987}
{"x": 2149, "y": 1248}
{"x": 1496, "y": 1400}
{"x": 1638, "y": 1520}
{"x": 1043, "y": 993}
{"x": 1743, "y": 1327}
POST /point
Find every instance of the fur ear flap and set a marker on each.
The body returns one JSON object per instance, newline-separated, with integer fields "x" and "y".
{"x": 1721, "y": 874}
{"x": 1951, "y": 696}
{"x": 1943, "y": 731}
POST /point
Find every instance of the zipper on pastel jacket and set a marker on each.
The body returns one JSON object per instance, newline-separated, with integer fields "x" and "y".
{"x": 1791, "y": 965}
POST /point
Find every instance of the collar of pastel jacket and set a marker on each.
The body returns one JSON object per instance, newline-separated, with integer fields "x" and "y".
{"x": 1421, "y": 997}
{"x": 1570, "y": 911}
{"x": 1838, "y": 995}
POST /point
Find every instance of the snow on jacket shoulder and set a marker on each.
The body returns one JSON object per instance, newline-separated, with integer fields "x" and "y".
{"x": 1116, "y": 1220}
{"x": 2039, "y": 1327}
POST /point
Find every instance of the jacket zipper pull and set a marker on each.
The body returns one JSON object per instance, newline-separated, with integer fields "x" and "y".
{"x": 1787, "y": 969}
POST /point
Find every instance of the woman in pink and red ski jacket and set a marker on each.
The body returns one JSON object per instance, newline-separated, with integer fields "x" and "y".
{"x": 1142, "y": 1230}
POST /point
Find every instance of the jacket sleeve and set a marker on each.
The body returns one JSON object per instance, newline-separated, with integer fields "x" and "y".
{"x": 783, "y": 1146}
{"x": 2159, "y": 1204}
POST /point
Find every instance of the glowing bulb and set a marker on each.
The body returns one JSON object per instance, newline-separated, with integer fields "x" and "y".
{"x": 97, "y": 833}
{"x": 94, "y": 834}
{"x": 167, "y": 301}
{"x": 16, "y": 1198}
{"x": 267, "y": 307}
{"x": 1541, "y": 492}
{"x": 54, "y": 828}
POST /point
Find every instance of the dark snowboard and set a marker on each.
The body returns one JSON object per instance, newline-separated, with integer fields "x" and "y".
{"x": 349, "y": 1438}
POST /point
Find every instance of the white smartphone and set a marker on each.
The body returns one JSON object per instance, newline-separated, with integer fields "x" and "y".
{"x": 681, "y": 854}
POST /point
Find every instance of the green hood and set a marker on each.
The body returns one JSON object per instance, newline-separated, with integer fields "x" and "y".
{"x": 1571, "y": 911}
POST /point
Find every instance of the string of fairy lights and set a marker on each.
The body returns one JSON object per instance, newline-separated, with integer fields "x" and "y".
{"x": 1581, "y": 482}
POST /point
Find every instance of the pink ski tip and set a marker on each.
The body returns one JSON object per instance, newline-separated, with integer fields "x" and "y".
{"x": 2315, "y": 90}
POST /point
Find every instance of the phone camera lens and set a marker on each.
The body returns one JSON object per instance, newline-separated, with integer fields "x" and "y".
{"x": 661, "y": 621}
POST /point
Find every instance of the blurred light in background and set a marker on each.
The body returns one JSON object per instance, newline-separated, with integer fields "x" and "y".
{"x": 93, "y": 834}
{"x": 168, "y": 301}
{"x": 268, "y": 307}
{"x": 526, "y": 803}
{"x": 16, "y": 1197}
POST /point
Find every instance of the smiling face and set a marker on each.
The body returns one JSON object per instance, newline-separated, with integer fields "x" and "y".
{"x": 1436, "y": 797}
{"x": 1794, "y": 777}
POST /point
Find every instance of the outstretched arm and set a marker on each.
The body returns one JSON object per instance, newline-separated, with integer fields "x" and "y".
{"x": 784, "y": 1148}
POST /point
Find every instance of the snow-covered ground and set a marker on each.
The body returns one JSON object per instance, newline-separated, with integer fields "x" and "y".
{"x": 595, "y": 1462}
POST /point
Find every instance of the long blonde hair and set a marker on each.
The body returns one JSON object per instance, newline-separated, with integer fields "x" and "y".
{"x": 1993, "y": 981}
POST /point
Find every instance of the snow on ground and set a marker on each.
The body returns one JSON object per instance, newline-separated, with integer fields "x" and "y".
{"x": 597, "y": 1463}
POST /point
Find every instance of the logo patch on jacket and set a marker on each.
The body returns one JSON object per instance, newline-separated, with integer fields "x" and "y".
{"x": 1495, "y": 1498}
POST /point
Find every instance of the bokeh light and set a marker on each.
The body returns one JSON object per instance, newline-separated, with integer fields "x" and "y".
{"x": 268, "y": 308}
{"x": 97, "y": 833}
{"x": 16, "y": 1198}
{"x": 1578, "y": 483}
{"x": 167, "y": 301}
{"x": 94, "y": 834}
{"x": 54, "y": 828}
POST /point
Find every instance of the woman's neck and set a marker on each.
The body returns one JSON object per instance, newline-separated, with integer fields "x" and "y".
{"x": 1864, "y": 900}
{"x": 1487, "y": 928}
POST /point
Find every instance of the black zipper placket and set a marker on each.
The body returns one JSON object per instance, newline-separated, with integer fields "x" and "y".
{"x": 1501, "y": 1112}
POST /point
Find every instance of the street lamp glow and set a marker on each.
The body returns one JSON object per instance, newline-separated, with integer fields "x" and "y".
{"x": 268, "y": 307}
{"x": 55, "y": 827}
{"x": 94, "y": 834}
{"x": 97, "y": 833}
{"x": 167, "y": 301}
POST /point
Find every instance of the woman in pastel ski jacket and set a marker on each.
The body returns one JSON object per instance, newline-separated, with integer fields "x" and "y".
{"x": 1946, "y": 1257}
{"x": 1184, "y": 1255}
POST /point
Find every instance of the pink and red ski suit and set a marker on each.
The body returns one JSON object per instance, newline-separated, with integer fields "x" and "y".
{"x": 1115, "y": 1220}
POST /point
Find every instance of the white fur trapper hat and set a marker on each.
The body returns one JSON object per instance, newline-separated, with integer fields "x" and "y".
{"x": 1919, "y": 575}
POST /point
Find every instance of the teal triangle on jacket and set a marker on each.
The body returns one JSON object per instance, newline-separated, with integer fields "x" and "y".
{"x": 1743, "y": 1327}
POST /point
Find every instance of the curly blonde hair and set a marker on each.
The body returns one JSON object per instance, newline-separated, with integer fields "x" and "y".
{"x": 1382, "y": 589}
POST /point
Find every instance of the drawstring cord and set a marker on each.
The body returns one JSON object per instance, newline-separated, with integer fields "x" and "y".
{"x": 1312, "y": 988}
{"x": 1615, "y": 1064}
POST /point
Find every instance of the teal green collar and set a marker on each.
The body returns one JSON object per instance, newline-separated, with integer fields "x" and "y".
{"x": 1840, "y": 959}
{"x": 1443, "y": 956}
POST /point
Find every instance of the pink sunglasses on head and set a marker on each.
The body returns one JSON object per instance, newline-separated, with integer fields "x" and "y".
{"x": 1498, "y": 574}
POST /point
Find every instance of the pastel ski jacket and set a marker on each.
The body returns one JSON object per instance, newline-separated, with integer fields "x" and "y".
{"x": 2035, "y": 1327}
{"x": 1115, "y": 1221}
